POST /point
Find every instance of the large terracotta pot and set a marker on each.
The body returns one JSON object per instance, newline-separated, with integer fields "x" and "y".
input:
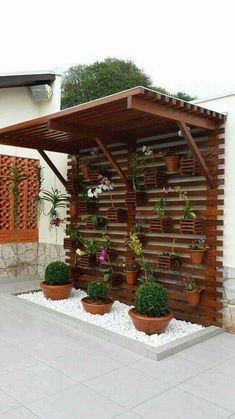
{"x": 193, "y": 297}
{"x": 171, "y": 163}
{"x": 196, "y": 256}
{"x": 56, "y": 292}
{"x": 149, "y": 325}
{"x": 86, "y": 171}
{"x": 131, "y": 277}
{"x": 73, "y": 207}
{"x": 93, "y": 307}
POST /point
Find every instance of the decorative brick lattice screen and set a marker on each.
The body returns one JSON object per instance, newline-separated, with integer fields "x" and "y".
{"x": 27, "y": 230}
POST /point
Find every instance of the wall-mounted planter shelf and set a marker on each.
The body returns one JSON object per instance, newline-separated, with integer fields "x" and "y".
{"x": 191, "y": 226}
{"x": 168, "y": 262}
{"x": 70, "y": 244}
{"x": 86, "y": 261}
{"x": 161, "y": 225}
{"x": 137, "y": 198}
{"x": 86, "y": 207}
{"x": 117, "y": 215}
{"x": 91, "y": 225}
{"x": 154, "y": 179}
{"x": 189, "y": 167}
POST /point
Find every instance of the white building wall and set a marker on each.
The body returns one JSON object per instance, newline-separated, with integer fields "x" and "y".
{"x": 16, "y": 105}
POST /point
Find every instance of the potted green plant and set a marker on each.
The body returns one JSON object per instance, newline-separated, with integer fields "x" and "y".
{"x": 171, "y": 160}
{"x": 94, "y": 221}
{"x": 154, "y": 177}
{"x": 168, "y": 260}
{"x": 73, "y": 233}
{"x": 193, "y": 292}
{"x": 133, "y": 242}
{"x": 97, "y": 301}
{"x": 151, "y": 314}
{"x": 56, "y": 285}
{"x": 57, "y": 200}
{"x": 190, "y": 223}
{"x": 137, "y": 196}
{"x": 73, "y": 208}
{"x": 130, "y": 269}
{"x": 87, "y": 253}
{"x": 161, "y": 224}
{"x": 197, "y": 251}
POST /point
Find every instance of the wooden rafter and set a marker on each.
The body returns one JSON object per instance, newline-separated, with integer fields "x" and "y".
{"x": 161, "y": 110}
{"x": 196, "y": 152}
{"x": 113, "y": 162}
{"x": 52, "y": 166}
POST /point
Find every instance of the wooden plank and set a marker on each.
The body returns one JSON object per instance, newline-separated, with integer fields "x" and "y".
{"x": 52, "y": 167}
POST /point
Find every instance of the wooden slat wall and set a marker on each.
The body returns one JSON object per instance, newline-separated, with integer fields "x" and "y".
{"x": 207, "y": 202}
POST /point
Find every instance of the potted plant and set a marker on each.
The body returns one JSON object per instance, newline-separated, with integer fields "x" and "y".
{"x": 73, "y": 208}
{"x": 74, "y": 234}
{"x": 193, "y": 292}
{"x": 171, "y": 160}
{"x": 97, "y": 301}
{"x": 134, "y": 243}
{"x": 151, "y": 314}
{"x": 105, "y": 255}
{"x": 94, "y": 221}
{"x": 197, "y": 251}
{"x": 189, "y": 165}
{"x": 161, "y": 224}
{"x": 57, "y": 200}
{"x": 137, "y": 196}
{"x": 130, "y": 269}
{"x": 154, "y": 177}
{"x": 87, "y": 253}
{"x": 190, "y": 223}
{"x": 168, "y": 260}
{"x": 56, "y": 285}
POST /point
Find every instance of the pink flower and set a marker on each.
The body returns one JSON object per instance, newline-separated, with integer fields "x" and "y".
{"x": 102, "y": 255}
{"x": 167, "y": 189}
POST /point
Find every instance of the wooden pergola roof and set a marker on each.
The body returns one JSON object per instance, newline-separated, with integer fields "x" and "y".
{"x": 120, "y": 117}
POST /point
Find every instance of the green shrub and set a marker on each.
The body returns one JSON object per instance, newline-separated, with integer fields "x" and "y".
{"x": 97, "y": 291}
{"x": 57, "y": 273}
{"x": 151, "y": 300}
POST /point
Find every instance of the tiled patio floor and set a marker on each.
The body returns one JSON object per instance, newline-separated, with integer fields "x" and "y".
{"x": 50, "y": 370}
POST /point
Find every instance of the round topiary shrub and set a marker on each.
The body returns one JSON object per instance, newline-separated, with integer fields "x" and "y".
{"x": 57, "y": 273}
{"x": 97, "y": 291}
{"x": 151, "y": 300}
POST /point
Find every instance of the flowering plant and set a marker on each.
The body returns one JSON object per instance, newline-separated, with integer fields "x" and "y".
{"x": 199, "y": 244}
{"x": 160, "y": 206}
{"x": 130, "y": 266}
{"x": 103, "y": 186}
{"x": 187, "y": 208}
{"x": 103, "y": 256}
{"x": 188, "y": 283}
{"x": 134, "y": 243}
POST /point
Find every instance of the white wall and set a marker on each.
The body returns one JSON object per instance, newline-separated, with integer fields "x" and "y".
{"x": 16, "y": 105}
{"x": 227, "y": 104}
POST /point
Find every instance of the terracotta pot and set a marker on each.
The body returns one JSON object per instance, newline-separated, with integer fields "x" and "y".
{"x": 73, "y": 208}
{"x": 149, "y": 325}
{"x": 93, "y": 307}
{"x": 171, "y": 163}
{"x": 131, "y": 277}
{"x": 56, "y": 292}
{"x": 86, "y": 171}
{"x": 196, "y": 256}
{"x": 193, "y": 297}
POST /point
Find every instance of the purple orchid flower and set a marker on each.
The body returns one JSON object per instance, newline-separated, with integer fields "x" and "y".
{"x": 102, "y": 256}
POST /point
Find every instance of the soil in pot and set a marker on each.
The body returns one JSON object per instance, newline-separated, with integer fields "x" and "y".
{"x": 131, "y": 277}
{"x": 97, "y": 307}
{"x": 56, "y": 292}
{"x": 171, "y": 163}
{"x": 150, "y": 325}
{"x": 196, "y": 256}
{"x": 193, "y": 297}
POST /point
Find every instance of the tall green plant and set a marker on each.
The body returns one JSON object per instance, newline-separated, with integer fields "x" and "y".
{"x": 56, "y": 200}
{"x": 39, "y": 172}
{"x": 17, "y": 176}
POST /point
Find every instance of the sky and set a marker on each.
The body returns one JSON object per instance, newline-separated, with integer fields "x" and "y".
{"x": 181, "y": 44}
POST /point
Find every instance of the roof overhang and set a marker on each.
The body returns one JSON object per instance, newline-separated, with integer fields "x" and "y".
{"x": 121, "y": 117}
{"x": 26, "y": 80}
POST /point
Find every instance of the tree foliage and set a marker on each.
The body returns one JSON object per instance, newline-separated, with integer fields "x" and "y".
{"x": 83, "y": 83}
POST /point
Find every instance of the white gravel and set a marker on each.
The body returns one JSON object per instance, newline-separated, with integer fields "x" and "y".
{"x": 117, "y": 320}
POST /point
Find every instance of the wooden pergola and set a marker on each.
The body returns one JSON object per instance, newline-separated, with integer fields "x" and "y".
{"x": 119, "y": 124}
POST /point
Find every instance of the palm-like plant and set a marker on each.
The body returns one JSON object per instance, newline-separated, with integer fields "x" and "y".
{"x": 56, "y": 200}
{"x": 17, "y": 176}
{"x": 39, "y": 172}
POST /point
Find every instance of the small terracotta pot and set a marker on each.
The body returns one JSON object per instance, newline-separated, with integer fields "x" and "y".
{"x": 149, "y": 325}
{"x": 73, "y": 208}
{"x": 171, "y": 163}
{"x": 196, "y": 256}
{"x": 86, "y": 171}
{"x": 93, "y": 307}
{"x": 131, "y": 277}
{"x": 193, "y": 297}
{"x": 56, "y": 292}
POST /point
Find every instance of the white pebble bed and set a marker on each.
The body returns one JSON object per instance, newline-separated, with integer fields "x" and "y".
{"x": 117, "y": 320}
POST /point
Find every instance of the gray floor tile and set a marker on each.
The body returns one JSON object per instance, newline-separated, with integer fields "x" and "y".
{"x": 75, "y": 403}
{"x": 128, "y": 415}
{"x": 172, "y": 370}
{"x": 225, "y": 341}
{"x": 207, "y": 356}
{"x": 176, "y": 404}
{"x": 12, "y": 359}
{"x": 212, "y": 386}
{"x": 83, "y": 365}
{"x": 127, "y": 386}
{"x": 117, "y": 353}
{"x": 20, "y": 413}
{"x": 6, "y": 402}
{"x": 33, "y": 383}
{"x": 226, "y": 367}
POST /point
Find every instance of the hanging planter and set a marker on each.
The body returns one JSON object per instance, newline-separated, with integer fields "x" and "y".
{"x": 154, "y": 179}
{"x": 116, "y": 215}
{"x": 87, "y": 207}
{"x": 167, "y": 260}
{"x": 189, "y": 166}
{"x": 86, "y": 170}
{"x": 73, "y": 209}
{"x": 131, "y": 269}
{"x": 161, "y": 225}
{"x": 191, "y": 226}
{"x": 197, "y": 251}
{"x": 136, "y": 198}
{"x": 86, "y": 261}
{"x": 70, "y": 244}
{"x": 171, "y": 162}
{"x": 95, "y": 222}
{"x": 193, "y": 297}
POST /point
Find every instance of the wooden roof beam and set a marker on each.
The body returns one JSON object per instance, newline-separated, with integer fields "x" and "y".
{"x": 113, "y": 162}
{"x": 52, "y": 166}
{"x": 196, "y": 152}
{"x": 163, "y": 111}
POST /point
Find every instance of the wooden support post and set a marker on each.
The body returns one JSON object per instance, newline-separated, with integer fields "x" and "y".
{"x": 52, "y": 166}
{"x": 113, "y": 162}
{"x": 196, "y": 152}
